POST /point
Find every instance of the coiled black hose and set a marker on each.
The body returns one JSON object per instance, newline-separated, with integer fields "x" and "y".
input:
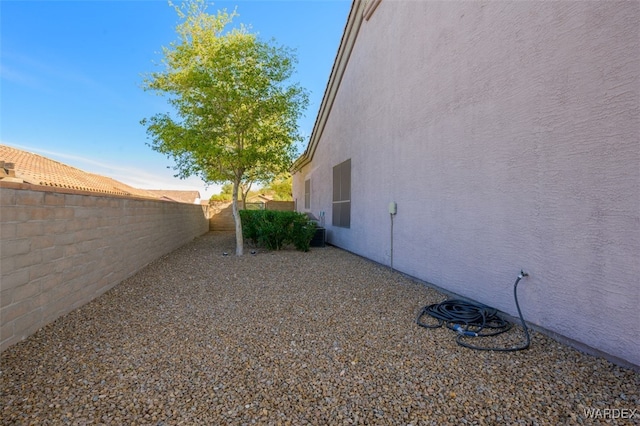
{"x": 474, "y": 320}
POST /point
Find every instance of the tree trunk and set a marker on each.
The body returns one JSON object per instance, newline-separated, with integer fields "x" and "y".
{"x": 245, "y": 193}
{"x": 238, "y": 222}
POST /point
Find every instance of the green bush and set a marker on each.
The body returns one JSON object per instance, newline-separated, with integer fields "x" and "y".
{"x": 275, "y": 229}
{"x": 250, "y": 225}
{"x": 302, "y": 232}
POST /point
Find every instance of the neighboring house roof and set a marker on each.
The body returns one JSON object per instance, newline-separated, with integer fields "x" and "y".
{"x": 259, "y": 198}
{"x": 191, "y": 197}
{"x": 17, "y": 165}
{"x": 360, "y": 10}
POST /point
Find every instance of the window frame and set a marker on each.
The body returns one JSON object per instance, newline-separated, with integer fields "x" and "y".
{"x": 307, "y": 194}
{"x": 341, "y": 199}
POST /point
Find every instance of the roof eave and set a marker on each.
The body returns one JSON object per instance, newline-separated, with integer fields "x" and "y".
{"x": 347, "y": 42}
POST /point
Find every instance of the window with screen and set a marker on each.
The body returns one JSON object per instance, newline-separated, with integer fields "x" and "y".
{"x": 342, "y": 195}
{"x": 307, "y": 194}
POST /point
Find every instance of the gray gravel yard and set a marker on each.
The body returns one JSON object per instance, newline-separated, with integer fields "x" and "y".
{"x": 323, "y": 337}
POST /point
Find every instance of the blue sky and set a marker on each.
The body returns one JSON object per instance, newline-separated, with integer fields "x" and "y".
{"x": 71, "y": 74}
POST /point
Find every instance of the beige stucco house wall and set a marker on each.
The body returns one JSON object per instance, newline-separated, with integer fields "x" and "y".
{"x": 508, "y": 134}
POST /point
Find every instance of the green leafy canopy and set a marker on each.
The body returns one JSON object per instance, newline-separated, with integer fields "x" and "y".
{"x": 235, "y": 114}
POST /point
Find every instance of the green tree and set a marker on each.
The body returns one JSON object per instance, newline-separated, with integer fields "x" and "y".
{"x": 225, "y": 193}
{"x": 280, "y": 188}
{"x": 235, "y": 111}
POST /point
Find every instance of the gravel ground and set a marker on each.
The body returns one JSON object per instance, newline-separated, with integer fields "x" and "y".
{"x": 323, "y": 337}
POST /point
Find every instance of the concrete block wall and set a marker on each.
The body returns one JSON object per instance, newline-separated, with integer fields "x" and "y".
{"x": 59, "y": 249}
{"x": 284, "y": 206}
{"x": 221, "y": 216}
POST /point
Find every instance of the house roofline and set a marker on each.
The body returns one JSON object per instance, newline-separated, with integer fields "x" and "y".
{"x": 352, "y": 27}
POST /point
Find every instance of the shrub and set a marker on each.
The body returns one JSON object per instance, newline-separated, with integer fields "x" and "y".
{"x": 250, "y": 224}
{"x": 302, "y": 232}
{"x": 275, "y": 229}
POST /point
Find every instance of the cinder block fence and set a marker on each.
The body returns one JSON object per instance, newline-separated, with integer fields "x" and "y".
{"x": 59, "y": 249}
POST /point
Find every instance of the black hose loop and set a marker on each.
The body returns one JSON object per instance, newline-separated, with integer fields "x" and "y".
{"x": 474, "y": 320}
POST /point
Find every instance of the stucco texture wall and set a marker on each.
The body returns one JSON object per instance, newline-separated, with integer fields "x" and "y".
{"x": 60, "y": 250}
{"x": 508, "y": 133}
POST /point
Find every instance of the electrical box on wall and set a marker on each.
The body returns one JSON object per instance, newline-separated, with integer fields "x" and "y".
{"x": 393, "y": 208}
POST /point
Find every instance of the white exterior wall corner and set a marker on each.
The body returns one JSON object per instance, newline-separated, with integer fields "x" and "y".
{"x": 509, "y": 135}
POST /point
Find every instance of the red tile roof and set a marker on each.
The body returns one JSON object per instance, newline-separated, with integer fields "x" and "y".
{"x": 22, "y": 166}
{"x": 180, "y": 196}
